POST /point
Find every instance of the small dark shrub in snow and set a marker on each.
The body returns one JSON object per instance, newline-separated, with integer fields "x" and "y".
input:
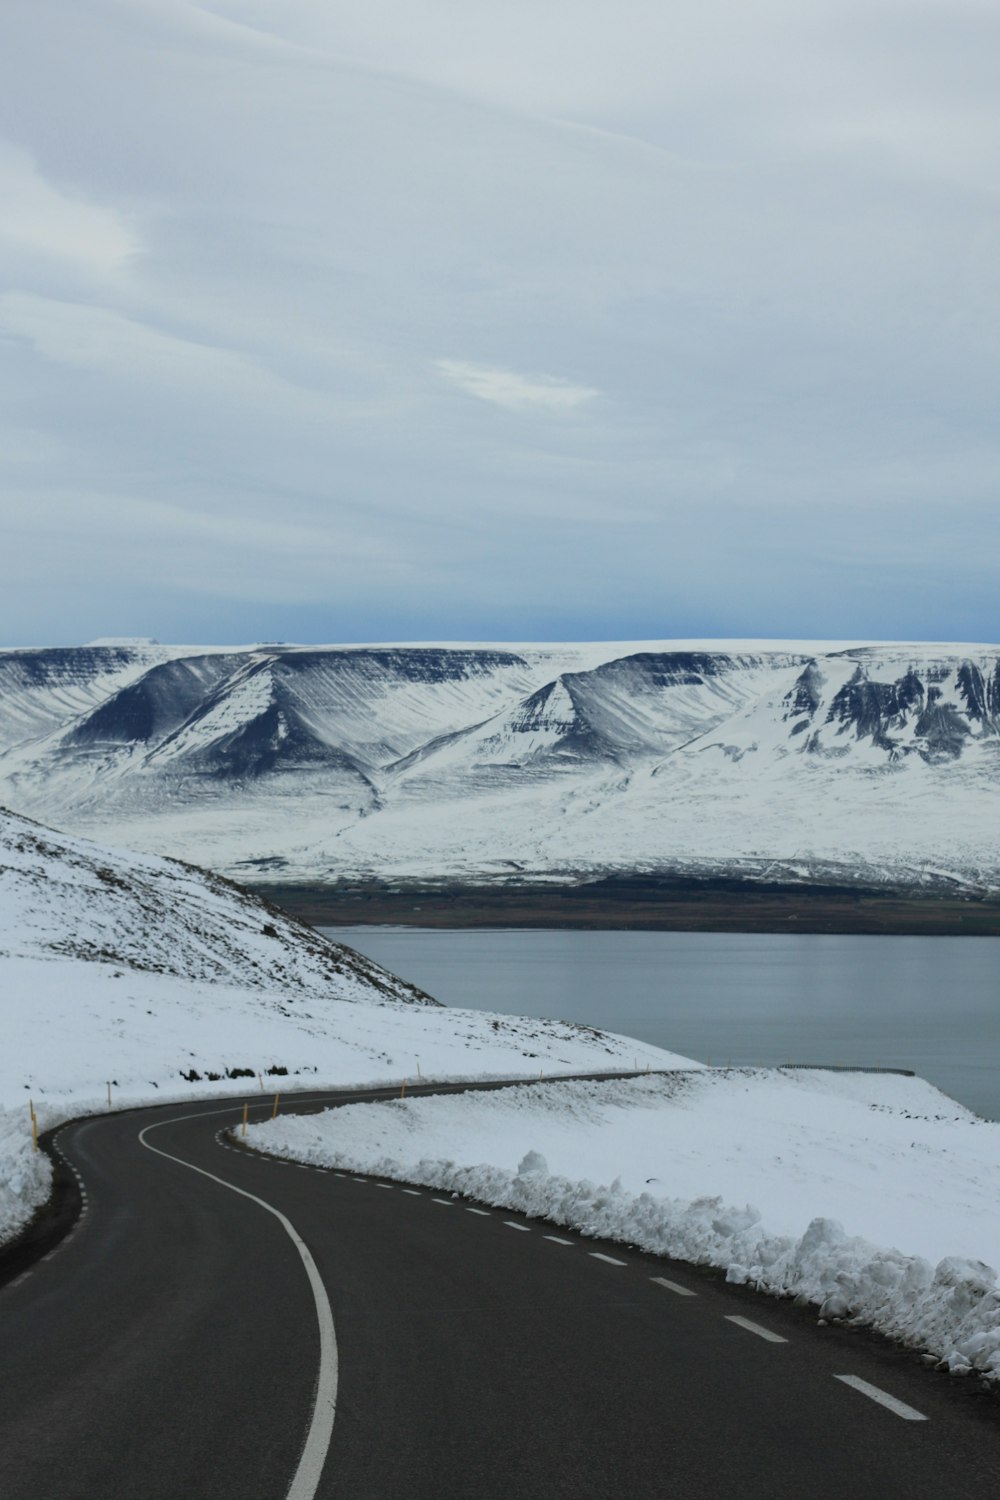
{"x": 239, "y": 1073}
{"x": 192, "y": 1076}
{"x": 275, "y": 1071}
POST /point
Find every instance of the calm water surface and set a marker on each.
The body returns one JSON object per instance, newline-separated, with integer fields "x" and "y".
{"x": 930, "y": 1004}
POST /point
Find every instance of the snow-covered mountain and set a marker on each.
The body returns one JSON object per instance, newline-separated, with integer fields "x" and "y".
{"x": 801, "y": 760}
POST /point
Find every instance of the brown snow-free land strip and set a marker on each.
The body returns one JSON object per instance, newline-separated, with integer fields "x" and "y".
{"x": 648, "y": 903}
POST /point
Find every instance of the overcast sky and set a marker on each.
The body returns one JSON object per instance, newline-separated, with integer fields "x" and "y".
{"x": 439, "y": 319}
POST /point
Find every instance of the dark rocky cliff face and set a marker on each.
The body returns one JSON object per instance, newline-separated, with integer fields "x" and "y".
{"x": 933, "y": 712}
{"x": 416, "y": 665}
{"x": 981, "y": 692}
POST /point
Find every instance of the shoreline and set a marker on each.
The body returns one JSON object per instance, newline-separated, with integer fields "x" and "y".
{"x": 654, "y": 904}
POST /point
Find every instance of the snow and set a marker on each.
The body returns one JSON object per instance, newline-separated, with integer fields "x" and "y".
{"x": 64, "y": 896}
{"x": 874, "y": 1196}
{"x": 162, "y": 980}
{"x": 25, "y": 1175}
{"x": 789, "y": 760}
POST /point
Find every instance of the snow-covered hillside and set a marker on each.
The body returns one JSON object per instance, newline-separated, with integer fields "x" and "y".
{"x": 779, "y": 760}
{"x": 872, "y": 1195}
{"x": 66, "y": 897}
{"x": 161, "y": 981}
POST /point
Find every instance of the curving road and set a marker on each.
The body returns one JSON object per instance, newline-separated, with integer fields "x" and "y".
{"x": 174, "y": 1348}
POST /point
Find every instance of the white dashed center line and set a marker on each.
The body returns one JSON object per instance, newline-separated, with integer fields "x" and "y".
{"x": 557, "y": 1240}
{"x": 386, "y": 1185}
{"x": 522, "y": 1227}
{"x": 445, "y": 1202}
{"x": 908, "y": 1413}
{"x": 484, "y": 1212}
{"x": 413, "y": 1192}
{"x": 762, "y": 1333}
{"x": 673, "y": 1286}
{"x": 608, "y": 1259}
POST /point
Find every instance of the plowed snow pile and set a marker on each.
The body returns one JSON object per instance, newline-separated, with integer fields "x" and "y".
{"x": 875, "y": 1196}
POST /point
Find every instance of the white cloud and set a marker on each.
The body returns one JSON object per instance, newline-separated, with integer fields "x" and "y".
{"x": 546, "y": 393}
{"x": 39, "y": 218}
{"x": 109, "y": 343}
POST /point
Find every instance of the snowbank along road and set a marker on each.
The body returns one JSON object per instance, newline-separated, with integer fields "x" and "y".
{"x": 222, "y": 1324}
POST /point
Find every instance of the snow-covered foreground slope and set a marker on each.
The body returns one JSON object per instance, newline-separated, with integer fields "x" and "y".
{"x": 65, "y": 896}
{"x": 778, "y": 760}
{"x": 165, "y": 982}
{"x": 873, "y": 1195}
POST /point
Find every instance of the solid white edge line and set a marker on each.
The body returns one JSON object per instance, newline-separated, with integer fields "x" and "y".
{"x": 673, "y": 1286}
{"x": 597, "y": 1255}
{"x": 762, "y": 1333}
{"x": 310, "y": 1467}
{"x": 908, "y": 1413}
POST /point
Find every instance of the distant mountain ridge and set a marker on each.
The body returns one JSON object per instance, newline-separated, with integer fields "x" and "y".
{"x": 802, "y": 760}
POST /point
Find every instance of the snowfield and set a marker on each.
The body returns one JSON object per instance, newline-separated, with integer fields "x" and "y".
{"x": 872, "y": 1195}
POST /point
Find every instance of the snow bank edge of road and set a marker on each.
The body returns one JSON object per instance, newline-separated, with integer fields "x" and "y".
{"x": 951, "y": 1310}
{"x": 26, "y": 1175}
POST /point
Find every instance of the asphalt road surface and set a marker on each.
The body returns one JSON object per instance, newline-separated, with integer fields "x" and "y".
{"x": 178, "y": 1346}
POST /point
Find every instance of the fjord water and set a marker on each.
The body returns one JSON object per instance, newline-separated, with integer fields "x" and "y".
{"x": 930, "y": 1004}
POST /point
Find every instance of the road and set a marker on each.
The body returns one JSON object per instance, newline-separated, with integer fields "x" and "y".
{"x": 170, "y": 1349}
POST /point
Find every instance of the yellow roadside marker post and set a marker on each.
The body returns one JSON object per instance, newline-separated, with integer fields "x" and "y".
{"x": 245, "y": 1108}
{"x": 34, "y": 1125}
{"x": 274, "y": 1111}
{"x": 402, "y": 1090}
{"x": 109, "y": 1093}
